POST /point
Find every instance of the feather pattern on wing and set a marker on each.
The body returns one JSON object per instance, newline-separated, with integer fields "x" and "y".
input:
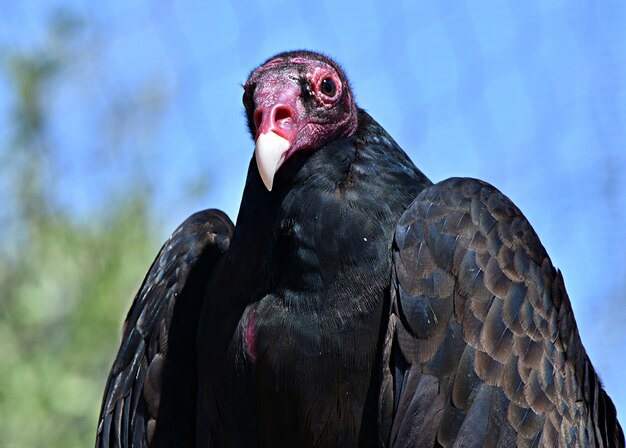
{"x": 482, "y": 348}
{"x": 150, "y": 394}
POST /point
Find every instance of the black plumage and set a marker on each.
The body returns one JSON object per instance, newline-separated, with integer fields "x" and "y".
{"x": 153, "y": 378}
{"x": 495, "y": 342}
{"x": 353, "y": 304}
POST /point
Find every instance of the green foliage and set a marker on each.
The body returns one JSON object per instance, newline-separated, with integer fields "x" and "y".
{"x": 61, "y": 311}
{"x": 65, "y": 282}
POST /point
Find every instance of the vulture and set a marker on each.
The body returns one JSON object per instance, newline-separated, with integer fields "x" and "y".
{"x": 354, "y": 303}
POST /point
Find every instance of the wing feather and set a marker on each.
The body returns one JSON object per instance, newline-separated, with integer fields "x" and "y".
{"x": 149, "y": 399}
{"x": 482, "y": 348}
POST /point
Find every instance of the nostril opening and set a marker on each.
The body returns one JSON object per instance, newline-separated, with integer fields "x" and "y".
{"x": 258, "y": 116}
{"x": 282, "y": 113}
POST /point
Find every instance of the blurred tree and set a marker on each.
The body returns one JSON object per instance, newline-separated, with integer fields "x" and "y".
{"x": 65, "y": 282}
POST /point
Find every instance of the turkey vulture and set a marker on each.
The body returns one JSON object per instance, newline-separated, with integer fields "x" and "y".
{"x": 354, "y": 303}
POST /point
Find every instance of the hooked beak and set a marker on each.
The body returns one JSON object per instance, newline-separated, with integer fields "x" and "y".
{"x": 277, "y": 130}
{"x": 270, "y": 151}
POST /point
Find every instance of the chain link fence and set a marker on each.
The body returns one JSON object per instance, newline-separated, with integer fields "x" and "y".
{"x": 145, "y": 96}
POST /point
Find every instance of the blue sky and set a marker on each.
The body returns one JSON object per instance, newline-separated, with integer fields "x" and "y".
{"x": 529, "y": 96}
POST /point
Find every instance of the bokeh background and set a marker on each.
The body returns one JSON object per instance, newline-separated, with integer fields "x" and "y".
{"x": 118, "y": 119}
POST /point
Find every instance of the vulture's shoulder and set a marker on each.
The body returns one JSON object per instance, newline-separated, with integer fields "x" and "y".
{"x": 150, "y": 393}
{"x": 482, "y": 348}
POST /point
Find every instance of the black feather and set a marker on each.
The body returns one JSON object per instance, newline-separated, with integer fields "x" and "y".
{"x": 356, "y": 304}
{"x": 166, "y": 308}
{"x": 523, "y": 377}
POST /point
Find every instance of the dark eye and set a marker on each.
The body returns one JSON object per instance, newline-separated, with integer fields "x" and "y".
{"x": 328, "y": 87}
{"x": 247, "y": 95}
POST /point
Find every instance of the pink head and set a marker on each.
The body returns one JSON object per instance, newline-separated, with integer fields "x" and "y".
{"x": 296, "y": 100}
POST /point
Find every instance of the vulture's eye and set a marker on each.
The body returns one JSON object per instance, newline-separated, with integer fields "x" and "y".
{"x": 328, "y": 87}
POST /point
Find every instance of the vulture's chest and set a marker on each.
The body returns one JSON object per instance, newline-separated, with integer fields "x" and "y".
{"x": 308, "y": 345}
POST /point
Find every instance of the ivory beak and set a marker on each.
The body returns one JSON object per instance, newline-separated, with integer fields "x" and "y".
{"x": 270, "y": 153}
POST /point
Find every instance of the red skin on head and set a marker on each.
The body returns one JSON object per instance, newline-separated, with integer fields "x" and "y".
{"x": 286, "y": 98}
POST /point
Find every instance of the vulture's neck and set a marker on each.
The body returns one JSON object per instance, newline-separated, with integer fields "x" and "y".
{"x": 301, "y": 290}
{"x": 326, "y": 229}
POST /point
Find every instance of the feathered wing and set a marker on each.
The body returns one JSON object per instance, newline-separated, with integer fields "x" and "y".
{"x": 150, "y": 395}
{"x": 482, "y": 348}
